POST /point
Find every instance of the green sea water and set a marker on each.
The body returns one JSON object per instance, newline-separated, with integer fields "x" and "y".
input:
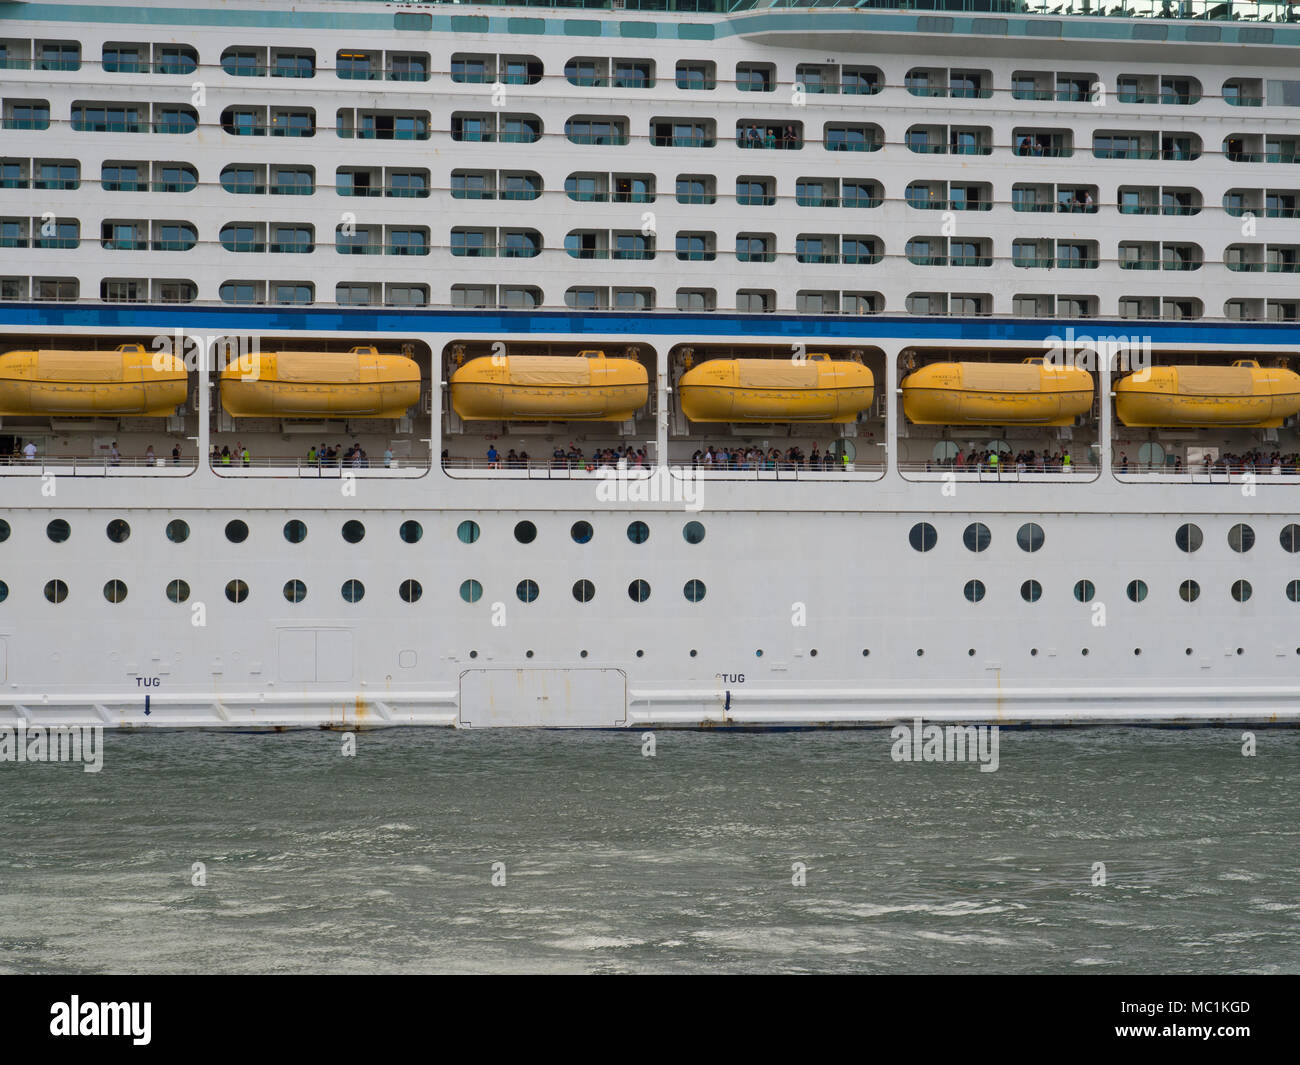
{"x": 724, "y": 852}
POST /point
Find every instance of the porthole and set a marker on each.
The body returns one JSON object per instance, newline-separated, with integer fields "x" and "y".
{"x": 866, "y": 652}
{"x": 976, "y": 536}
{"x": 758, "y": 653}
{"x": 353, "y": 531}
{"x": 117, "y": 530}
{"x": 471, "y": 591}
{"x": 1241, "y": 590}
{"x": 812, "y": 653}
{"x": 920, "y": 652}
{"x": 4, "y": 530}
{"x": 640, "y": 653}
{"x": 1188, "y": 537}
{"x": 1137, "y": 590}
{"x": 1137, "y": 650}
{"x": 1084, "y": 652}
{"x": 584, "y": 591}
{"x": 236, "y": 591}
{"x": 694, "y": 652}
{"x": 694, "y": 590}
{"x": 178, "y": 531}
{"x": 970, "y": 652}
{"x": 473, "y": 654}
{"x": 295, "y": 591}
{"x": 1293, "y": 591}
{"x": 923, "y": 536}
{"x": 56, "y": 591}
{"x": 527, "y": 591}
{"x": 1188, "y": 651}
{"x": 410, "y": 531}
{"x": 581, "y": 532}
{"x": 58, "y": 530}
{"x": 1033, "y": 652}
{"x": 1241, "y": 650}
{"x": 467, "y": 532}
{"x": 525, "y": 532}
{"x": 1289, "y": 538}
{"x": 974, "y": 591}
{"x": 115, "y": 590}
{"x": 1190, "y": 591}
{"x": 693, "y": 532}
{"x": 4, "y": 591}
{"x": 236, "y": 531}
{"x": 1241, "y": 538}
{"x": 178, "y": 590}
{"x": 295, "y": 531}
{"x": 1084, "y": 591}
{"x": 353, "y": 590}
{"x": 1031, "y": 591}
{"x": 1030, "y": 536}
{"x": 582, "y": 654}
{"x": 638, "y": 591}
{"x": 528, "y": 654}
{"x": 638, "y": 532}
{"x": 410, "y": 590}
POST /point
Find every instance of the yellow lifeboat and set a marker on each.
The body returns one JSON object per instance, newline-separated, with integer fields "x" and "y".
{"x": 818, "y": 389}
{"x": 360, "y": 383}
{"x": 587, "y": 387}
{"x": 1242, "y": 395}
{"x": 130, "y": 381}
{"x": 996, "y": 393}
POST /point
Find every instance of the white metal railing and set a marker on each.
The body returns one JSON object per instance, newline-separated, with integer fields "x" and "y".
{"x": 95, "y": 466}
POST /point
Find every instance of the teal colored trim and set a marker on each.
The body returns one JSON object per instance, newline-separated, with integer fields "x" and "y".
{"x": 773, "y": 20}
{"x": 582, "y": 27}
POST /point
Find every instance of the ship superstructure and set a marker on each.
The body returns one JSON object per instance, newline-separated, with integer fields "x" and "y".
{"x": 368, "y": 363}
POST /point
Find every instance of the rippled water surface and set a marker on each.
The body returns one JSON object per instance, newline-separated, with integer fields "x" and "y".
{"x": 681, "y": 862}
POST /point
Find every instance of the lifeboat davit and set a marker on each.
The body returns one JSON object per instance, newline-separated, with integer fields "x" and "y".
{"x": 1242, "y": 395}
{"x": 996, "y": 393}
{"x": 130, "y": 381}
{"x": 360, "y": 383}
{"x": 585, "y": 387}
{"x": 817, "y": 389}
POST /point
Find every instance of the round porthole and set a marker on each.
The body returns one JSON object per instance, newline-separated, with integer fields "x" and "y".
{"x": 582, "y": 532}
{"x": 1031, "y": 591}
{"x": 638, "y": 591}
{"x": 56, "y": 591}
{"x": 353, "y": 590}
{"x": 467, "y": 532}
{"x": 410, "y": 591}
{"x": 118, "y": 531}
{"x": 923, "y": 536}
{"x": 295, "y": 531}
{"x": 693, "y": 532}
{"x": 236, "y": 531}
{"x": 295, "y": 591}
{"x": 638, "y": 532}
{"x": 527, "y": 591}
{"x": 976, "y": 536}
{"x": 178, "y": 590}
{"x": 584, "y": 591}
{"x": 525, "y": 532}
{"x": 353, "y": 531}
{"x": 115, "y": 591}
{"x": 178, "y": 531}
{"x": 694, "y": 590}
{"x": 236, "y": 591}
{"x": 471, "y": 591}
{"x": 1030, "y": 536}
{"x": 58, "y": 531}
{"x": 1188, "y": 537}
{"x": 410, "y": 532}
{"x": 1084, "y": 591}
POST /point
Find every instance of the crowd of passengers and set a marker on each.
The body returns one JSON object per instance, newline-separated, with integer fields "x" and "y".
{"x": 1023, "y": 462}
{"x": 1247, "y": 462}
{"x": 768, "y": 137}
{"x": 753, "y": 458}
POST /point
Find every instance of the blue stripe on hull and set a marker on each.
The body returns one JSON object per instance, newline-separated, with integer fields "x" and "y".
{"x": 364, "y": 320}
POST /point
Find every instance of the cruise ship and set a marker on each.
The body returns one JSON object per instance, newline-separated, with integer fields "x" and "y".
{"x": 649, "y": 363}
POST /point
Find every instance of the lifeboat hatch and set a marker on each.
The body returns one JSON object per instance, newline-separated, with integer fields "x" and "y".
{"x": 543, "y": 698}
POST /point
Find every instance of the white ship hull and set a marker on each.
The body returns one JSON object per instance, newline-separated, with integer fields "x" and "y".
{"x": 805, "y": 603}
